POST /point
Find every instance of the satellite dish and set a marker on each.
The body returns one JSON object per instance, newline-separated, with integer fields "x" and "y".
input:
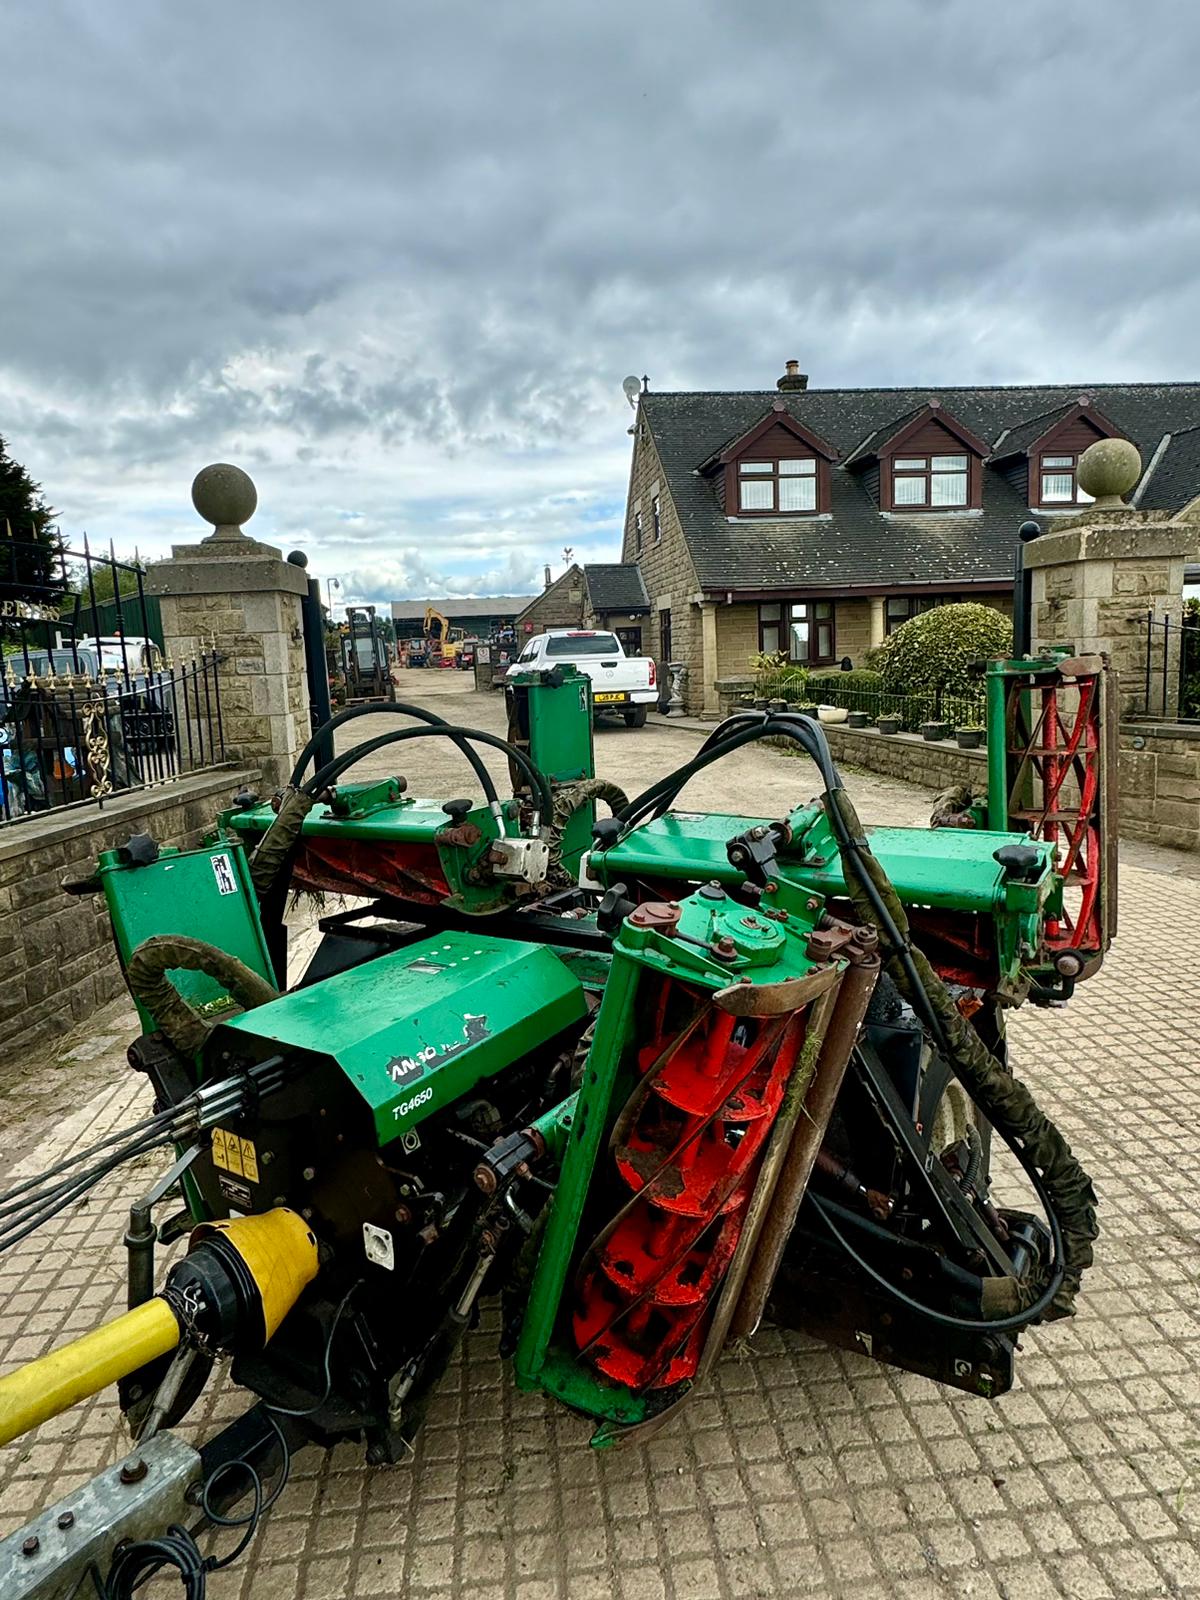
{"x": 632, "y": 387}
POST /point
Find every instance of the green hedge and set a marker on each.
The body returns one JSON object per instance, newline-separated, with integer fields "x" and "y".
{"x": 860, "y": 678}
{"x": 933, "y": 652}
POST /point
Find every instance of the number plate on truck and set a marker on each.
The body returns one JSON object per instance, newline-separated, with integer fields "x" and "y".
{"x": 603, "y": 699}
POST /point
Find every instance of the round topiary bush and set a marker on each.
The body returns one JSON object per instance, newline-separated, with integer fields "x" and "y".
{"x": 934, "y": 650}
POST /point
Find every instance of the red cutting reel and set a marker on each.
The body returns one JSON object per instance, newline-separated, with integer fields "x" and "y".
{"x": 686, "y": 1151}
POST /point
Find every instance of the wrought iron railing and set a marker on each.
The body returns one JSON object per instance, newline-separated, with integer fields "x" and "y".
{"x": 913, "y": 711}
{"x": 1170, "y": 686}
{"x": 84, "y": 713}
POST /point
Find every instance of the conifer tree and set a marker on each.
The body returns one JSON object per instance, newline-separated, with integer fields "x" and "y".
{"x": 30, "y": 564}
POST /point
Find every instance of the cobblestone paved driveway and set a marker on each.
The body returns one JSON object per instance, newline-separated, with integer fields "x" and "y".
{"x": 804, "y": 1471}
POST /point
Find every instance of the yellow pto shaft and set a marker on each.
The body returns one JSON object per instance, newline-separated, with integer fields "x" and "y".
{"x": 238, "y": 1281}
{"x": 42, "y": 1388}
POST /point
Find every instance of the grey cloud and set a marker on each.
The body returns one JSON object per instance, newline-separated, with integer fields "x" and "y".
{"x": 385, "y": 243}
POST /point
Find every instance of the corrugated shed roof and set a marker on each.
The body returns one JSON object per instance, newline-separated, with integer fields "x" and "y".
{"x": 456, "y": 606}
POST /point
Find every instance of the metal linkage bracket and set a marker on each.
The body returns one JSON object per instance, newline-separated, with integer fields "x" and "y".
{"x": 49, "y": 1558}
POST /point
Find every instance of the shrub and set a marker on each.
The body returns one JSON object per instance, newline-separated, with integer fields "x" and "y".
{"x": 860, "y": 678}
{"x": 780, "y": 682}
{"x": 933, "y": 651}
{"x": 856, "y": 691}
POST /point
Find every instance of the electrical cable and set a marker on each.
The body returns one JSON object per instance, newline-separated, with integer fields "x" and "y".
{"x": 135, "y": 1564}
{"x": 287, "y": 1411}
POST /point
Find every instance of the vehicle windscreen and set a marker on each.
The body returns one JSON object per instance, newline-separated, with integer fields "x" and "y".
{"x": 571, "y": 645}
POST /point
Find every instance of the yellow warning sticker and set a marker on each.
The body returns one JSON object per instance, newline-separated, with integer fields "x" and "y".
{"x": 249, "y": 1160}
{"x": 234, "y": 1154}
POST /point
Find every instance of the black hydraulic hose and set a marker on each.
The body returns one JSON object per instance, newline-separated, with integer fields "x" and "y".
{"x": 333, "y": 769}
{"x": 667, "y": 788}
{"x": 945, "y": 1319}
{"x": 399, "y": 708}
{"x": 810, "y": 736}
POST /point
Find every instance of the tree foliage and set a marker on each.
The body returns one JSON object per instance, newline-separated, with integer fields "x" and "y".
{"x": 104, "y": 581}
{"x": 30, "y": 564}
{"x": 935, "y": 649}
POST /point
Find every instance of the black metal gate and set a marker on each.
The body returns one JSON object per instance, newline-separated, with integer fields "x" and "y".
{"x": 89, "y": 703}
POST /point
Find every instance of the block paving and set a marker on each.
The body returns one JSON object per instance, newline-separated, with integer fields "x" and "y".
{"x": 802, "y": 1470}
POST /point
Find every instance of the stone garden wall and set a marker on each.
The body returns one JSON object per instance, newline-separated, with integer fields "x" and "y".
{"x": 1160, "y": 784}
{"x": 57, "y": 949}
{"x": 939, "y": 765}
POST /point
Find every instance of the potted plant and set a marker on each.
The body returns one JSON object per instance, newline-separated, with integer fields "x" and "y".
{"x": 761, "y": 703}
{"x": 888, "y": 724}
{"x": 859, "y": 719}
{"x": 969, "y": 738}
{"x": 931, "y": 732}
{"x": 810, "y": 710}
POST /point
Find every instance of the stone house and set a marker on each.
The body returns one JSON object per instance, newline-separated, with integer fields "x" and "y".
{"x": 593, "y": 595}
{"x": 814, "y": 521}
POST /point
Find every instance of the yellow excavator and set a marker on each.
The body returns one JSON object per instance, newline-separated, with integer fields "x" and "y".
{"x": 441, "y": 640}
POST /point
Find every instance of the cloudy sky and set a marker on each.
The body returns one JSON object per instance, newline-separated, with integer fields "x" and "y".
{"x": 395, "y": 259}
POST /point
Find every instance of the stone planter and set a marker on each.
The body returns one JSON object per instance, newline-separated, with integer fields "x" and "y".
{"x": 888, "y": 724}
{"x": 761, "y": 704}
{"x": 931, "y": 732}
{"x": 859, "y": 719}
{"x": 968, "y": 738}
{"x": 832, "y": 713}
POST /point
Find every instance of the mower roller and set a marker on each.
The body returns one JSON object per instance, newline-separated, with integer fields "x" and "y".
{"x": 651, "y": 1078}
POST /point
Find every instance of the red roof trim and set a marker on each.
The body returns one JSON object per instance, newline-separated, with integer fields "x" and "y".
{"x": 1081, "y": 408}
{"x": 785, "y": 420}
{"x": 933, "y": 412}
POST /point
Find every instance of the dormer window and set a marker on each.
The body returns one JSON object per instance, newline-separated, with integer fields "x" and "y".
{"x": 777, "y": 468}
{"x": 1040, "y": 456}
{"x": 930, "y": 480}
{"x": 926, "y": 460}
{"x": 1058, "y": 482}
{"x": 778, "y": 486}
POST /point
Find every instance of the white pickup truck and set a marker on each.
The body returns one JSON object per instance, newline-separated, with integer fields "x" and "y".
{"x": 625, "y": 685}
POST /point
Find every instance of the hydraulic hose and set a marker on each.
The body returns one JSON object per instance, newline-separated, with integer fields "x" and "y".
{"x": 1063, "y": 1187}
{"x": 146, "y": 974}
{"x": 333, "y": 769}
{"x": 398, "y": 708}
{"x": 276, "y": 848}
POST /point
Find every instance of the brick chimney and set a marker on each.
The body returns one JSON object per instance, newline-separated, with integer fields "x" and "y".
{"x": 793, "y": 378}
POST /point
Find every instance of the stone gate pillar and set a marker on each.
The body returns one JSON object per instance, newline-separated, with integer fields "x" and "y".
{"x": 1098, "y": 573}
{"x": 232, "y": 591}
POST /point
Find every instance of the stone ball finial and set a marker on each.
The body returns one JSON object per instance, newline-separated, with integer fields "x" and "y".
{"x": 226, "y": 497}
{"x": 1107, "y": 471}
